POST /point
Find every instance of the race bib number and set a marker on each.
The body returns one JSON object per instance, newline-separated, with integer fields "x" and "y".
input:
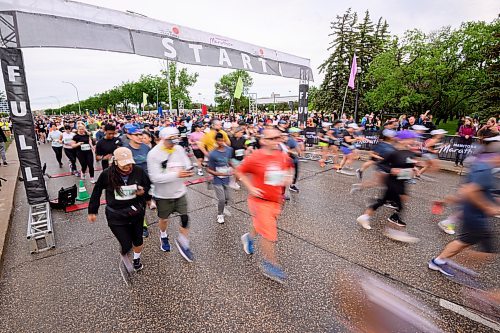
{"x": 405, "y": 174}
{"x": 67, "y": 141}
{"x": 128, "y": 192}
{"x": 224, "y": 170}
{"x": 274, "y": 177}
{"x": 239, "y": 152}
{"x": 56, "y": 144}
{"x": 183, "y": 135}
{"x": 85, "y": 147}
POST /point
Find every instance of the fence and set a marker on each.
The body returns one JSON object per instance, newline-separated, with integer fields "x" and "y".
{"x": 450, "y": 147}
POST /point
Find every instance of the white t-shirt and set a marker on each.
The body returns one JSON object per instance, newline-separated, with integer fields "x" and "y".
{"x": 67, "y": 138}
{"x": 55, "y": 137}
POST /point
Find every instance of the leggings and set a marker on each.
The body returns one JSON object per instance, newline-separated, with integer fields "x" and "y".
{"x": 395, "y": 189}
{"x": 86, "y": 159}
{"x": 71, "y": 154}
{"x": 58, "y": 151}
{"x": 129, "y": 234}
{"x": 296, "y": 172}
{"x": 222, "y": 193}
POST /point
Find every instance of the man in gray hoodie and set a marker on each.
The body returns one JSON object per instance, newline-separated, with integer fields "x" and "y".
{"x": 168, "y": 165}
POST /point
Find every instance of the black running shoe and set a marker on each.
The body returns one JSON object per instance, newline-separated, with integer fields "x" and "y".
{"x": 138, "y": 265}
{"x": 396, "y": 220}
{"x": 359, "y": 173}
{"x": 293, "y": 188}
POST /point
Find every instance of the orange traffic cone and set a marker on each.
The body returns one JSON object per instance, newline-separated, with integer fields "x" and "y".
{"x": 83, "y": 195}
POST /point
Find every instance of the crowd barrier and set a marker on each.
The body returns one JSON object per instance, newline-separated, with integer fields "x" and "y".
{"x": 449, "y": 149}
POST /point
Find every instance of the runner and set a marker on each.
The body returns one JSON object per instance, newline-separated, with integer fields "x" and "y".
{"x": 194, "y": 138}
{"x": 126, "y": 187}
{"x": 107, "y": 145}
{"x": 168, "y": 165}
{"x": 431, "y": 151}
{"x": 70, "y": 152}
{"x": 238, "y": 144}
{"x": 348, "y": 148}
{"x": 55, "y": 137}
{"x": 478, "y": 203}
{"x": 270, "y": 171}
{"x": 140, "y": 153}
{"x": 219, "y": 166}
{"x": 401, "y": 163}
{"x": 82, "y": 143}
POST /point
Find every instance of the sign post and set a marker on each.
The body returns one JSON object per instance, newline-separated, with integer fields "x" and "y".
{"x": 303, "y": 96}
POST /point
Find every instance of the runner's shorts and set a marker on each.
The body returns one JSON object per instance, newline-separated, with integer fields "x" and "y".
{"x": 484, "y": 237}
{"x": 345, "y": 150}
{"x": 198, "y": 153}
{"x": 264, "y": 217}
{"x": 166, "y": 207}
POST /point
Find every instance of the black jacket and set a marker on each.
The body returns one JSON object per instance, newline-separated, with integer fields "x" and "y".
{"x": 137, "y": 176}
{"x": 3, "y": 138}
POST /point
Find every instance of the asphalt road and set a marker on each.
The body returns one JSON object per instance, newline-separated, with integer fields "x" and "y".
{"x": 77, "y": 287}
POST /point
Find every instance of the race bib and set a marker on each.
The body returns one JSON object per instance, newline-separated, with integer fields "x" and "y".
{"x": 128, "y": 192}
{"x": 67, "y": 141}
{"x": 56, "y": 144}
{"x": 85, "y": 147}
{"x": 274, "y": 177}
{"x": 183, "y": 135}
{"x": 222, "y": 170}
{"x": 239, "y": 152}
{"x": 405, "y": 174}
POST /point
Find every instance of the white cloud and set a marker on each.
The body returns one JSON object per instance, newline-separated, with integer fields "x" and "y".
{"x": 294, "y": 26}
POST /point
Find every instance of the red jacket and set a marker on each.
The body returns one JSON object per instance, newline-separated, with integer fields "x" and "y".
{"x": 465, "y": 130}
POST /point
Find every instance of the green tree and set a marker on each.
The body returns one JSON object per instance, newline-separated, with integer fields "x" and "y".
{"x": 224, "y": 91}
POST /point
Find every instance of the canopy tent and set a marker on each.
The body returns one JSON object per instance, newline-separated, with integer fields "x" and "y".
{"x": 69, "y": 24}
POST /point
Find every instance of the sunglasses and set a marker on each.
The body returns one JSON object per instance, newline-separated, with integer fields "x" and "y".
{"x": 273, "y": 138}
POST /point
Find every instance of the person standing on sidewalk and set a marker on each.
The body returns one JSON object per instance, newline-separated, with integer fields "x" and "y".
{"x": 168, "y": 165}
{"x": 126, "y": 186}
{"x": 219, "y": 167}
{"x": 270, "y": 171}
{"x": 3, "y": 141}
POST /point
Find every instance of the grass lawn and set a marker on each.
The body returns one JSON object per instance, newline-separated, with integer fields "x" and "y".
{"x": 450, "y": 126}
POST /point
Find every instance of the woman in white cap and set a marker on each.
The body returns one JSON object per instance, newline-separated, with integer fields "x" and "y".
{"x": 127, "y": 187}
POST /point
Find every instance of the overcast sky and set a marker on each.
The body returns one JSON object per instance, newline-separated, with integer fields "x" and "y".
{"x": 298, "y": 27}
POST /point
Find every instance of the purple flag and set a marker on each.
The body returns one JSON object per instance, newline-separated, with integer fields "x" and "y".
{"x": 354, "y": 70}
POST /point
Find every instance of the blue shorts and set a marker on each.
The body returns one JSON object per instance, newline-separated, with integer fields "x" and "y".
{"x": 345, "y": 150}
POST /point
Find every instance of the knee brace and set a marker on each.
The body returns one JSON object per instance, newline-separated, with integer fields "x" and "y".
{"x": 184, "y": 221}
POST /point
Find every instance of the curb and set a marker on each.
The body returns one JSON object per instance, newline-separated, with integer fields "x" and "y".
{"x": 11, "y": 173}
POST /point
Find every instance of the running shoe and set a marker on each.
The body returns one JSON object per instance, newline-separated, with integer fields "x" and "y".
{"x": 396, "y": 220}
{"x": 355, "y": 188}
{"x": 400, "y": 236}
{"x": 286, "y": 197}
{"x": 390, "y": 205}
{"x": 447, "y": 226}
{"x": 227, "y": 212}
{"x": 359, "y": 173}
{"x": 138, "y": 265}
{"x": 235, "y": 186}
{"x": 344, "y": 172}
{"x": 165, "y": 245}
{"x": 247, "y": 242}
{"x": 273, "y": 272}
{"x": 200, "y": 172}
{"x": 220, "y": 219}
{"x": 411, "y": 181}
{"x": 443, "y": 268}
{"x": 5, "y": 163}
{"x": 184, "y": 251}
{"x": 93, "y": 180}
{"x": 364, "y": 221}
{"x": 293, "y": 188}
{"x": 82, "y": 176}
{"x": 145, "y": 232}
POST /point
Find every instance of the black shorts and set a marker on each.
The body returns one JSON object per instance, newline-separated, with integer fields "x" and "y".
{"x": 485, "y": 239}
{"x": 198, "y": 153}
{"x": 128, "y": 234}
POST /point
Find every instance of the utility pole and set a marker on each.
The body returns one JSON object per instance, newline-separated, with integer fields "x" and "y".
{"x": 77, "y": 96}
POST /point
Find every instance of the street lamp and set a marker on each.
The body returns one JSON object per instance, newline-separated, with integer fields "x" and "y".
{"x": 58, "y": 101}
{"x": 77, "y": 96}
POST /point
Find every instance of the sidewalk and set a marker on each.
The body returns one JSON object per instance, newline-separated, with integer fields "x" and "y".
{"x": 7, "y": 190}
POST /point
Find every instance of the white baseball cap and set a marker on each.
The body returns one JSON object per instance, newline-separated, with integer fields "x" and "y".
{"x": 168, "y": 132}
{"x": 438, "y": 131}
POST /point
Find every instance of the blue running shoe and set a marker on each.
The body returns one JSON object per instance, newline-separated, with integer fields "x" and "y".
{"x": 443, "y": 268}
{"x": 184, "y": 251}
{"x": 145, "y": 232}
{"x": 273, "y": 272}
{"x": 247, "y": 242}
{"x": 165, "y": 245}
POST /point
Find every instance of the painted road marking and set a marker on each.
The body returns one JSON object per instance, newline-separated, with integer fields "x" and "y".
{"x": 471, "y": 315}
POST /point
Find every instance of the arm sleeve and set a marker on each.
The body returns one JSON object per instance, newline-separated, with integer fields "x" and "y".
{"x": 95, "y": 198}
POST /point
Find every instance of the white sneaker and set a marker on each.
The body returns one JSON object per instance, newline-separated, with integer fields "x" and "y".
{"x": 234, "y": 186}
{"x": 93, "y": 180}
{"x": 447, "y": 226}
{"x": 355, "y": 188}
{"x": 200, "y": 172}
{"x": 220, "y": 219}
{"x": 400, "y": 236}
{"x": 227, "y": 212}
{"x": 364, "y": 221}
{"x": 82, "y": 176}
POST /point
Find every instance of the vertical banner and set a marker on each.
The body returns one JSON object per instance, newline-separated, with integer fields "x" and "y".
{"x": 22, "y": 122}
{"x": 303, "y": 96}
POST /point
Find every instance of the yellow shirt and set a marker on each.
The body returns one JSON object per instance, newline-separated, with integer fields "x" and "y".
{"x": 209, "y": 142}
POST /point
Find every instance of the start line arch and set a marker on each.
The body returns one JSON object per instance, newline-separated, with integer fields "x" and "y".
{"x": 69, "y": 24}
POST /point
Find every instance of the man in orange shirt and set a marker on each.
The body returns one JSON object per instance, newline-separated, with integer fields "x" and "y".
{"x": 266, "y": 173}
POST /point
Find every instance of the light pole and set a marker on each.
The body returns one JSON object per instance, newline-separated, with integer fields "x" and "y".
{"x": 77, "y": 96}
{"x": 58, "y": 101}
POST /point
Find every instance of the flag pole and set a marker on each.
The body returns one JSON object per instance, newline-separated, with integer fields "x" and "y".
{"x": 343, "y": 103}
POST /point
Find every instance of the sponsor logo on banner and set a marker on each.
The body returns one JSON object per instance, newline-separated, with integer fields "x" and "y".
{"x": 220, "y": 42}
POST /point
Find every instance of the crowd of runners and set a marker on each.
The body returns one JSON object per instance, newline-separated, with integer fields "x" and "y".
{"x": 145, "y": 160}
